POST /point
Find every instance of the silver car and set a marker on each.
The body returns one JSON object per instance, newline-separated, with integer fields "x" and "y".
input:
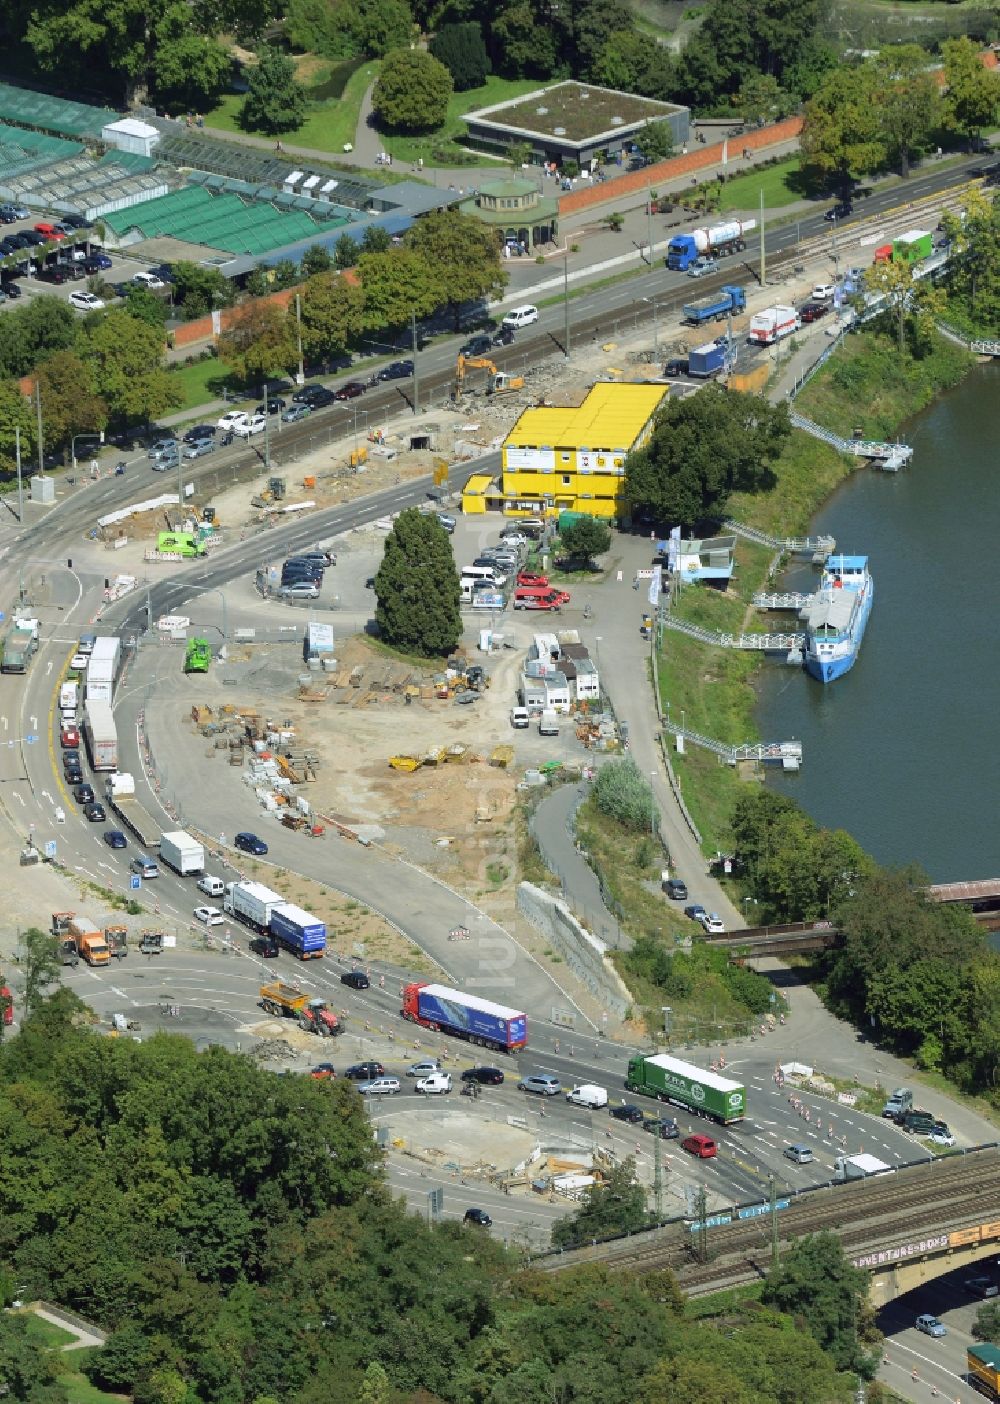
{"x": 543, "y": 1084}
{"x": 199, "y": 448}
{"x": 379, "y": 1087}
{"x": 301, "y": 590}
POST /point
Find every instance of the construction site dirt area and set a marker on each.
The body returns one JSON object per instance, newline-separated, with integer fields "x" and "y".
{"x": 435, "y": 779}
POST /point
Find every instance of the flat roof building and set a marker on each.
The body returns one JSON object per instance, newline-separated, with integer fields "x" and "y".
{"x": 570, "y": 458}
{"x": 574, "y": 121}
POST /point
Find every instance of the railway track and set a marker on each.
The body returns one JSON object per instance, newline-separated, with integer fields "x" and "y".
{"x": 957, "y": 1191}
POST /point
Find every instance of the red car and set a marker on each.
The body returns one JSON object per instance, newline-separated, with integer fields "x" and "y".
{"x": 50, "y": 232}
{"x": 323, "y": 1072}
{"x": 527, "y": 578}
{"x": 349, "y": 391}
{"x": 701, "y": 1146}
{"x": 6, "y": 1004}
{"x": 69, "y": 737}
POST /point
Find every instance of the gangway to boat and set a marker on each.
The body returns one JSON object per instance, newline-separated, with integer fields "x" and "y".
{"x": 760, "y": 643}
{"x": 787, "y": 754}
{"x": 790, "y": 600}
{"x": 818, "y": 547}
{"x": 891, "y": 456}
{"x": 978, "y": 347}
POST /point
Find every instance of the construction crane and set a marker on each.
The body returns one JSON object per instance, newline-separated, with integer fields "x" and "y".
{"x": 500, "y": 381}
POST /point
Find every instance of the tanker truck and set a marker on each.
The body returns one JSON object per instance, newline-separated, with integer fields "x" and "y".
{"x": 716, "y": 242}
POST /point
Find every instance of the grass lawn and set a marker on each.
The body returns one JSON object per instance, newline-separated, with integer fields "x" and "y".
{"x": 78, "y": 1388}
{"x": 441, "y": 148}
{"x": 203, "y": 381}
{"x": 781, "y": 184}
{"x": 331, "y": 121}
{"x": 47, "y": 1333}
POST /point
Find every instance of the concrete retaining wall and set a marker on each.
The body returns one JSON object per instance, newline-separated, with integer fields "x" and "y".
{"x": 585, "y": 955}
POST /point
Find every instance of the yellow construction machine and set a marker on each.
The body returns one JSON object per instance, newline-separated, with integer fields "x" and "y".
{"x": 500, "y": 382}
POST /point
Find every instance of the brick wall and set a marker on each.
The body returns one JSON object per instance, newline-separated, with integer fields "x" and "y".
{"x": 590, "y": 193}
{"x": 201, "y": 330}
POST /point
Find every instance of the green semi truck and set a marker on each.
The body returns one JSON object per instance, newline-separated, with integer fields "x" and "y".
{"x": 197, "y": 656}
{"x": 682, "y": 1084}
{"x": 913, "y": 246}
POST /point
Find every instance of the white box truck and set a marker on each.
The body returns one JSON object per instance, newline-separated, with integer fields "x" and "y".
{"x": 252, "y": 903}
{"x": 859, "y": 1167}
{"x": 120, "y": 794}
{"x": 182, "y": 853}
{"x": 101, "y": 735}
{"x": 772, "y": 324}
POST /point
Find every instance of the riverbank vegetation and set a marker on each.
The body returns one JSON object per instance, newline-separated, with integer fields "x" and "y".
{"x": 917, "y": 974}
{"x": 246, "y": 1250}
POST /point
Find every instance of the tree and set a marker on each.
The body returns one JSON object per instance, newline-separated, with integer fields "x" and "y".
{"x": 972, "y": 91}
{"x": 16, "y": 413}
{"x": 622, "y": 792}
{"x": 144, "y": 304}
{"x": 199, "y": 290}
{"x": 396, "y": 287}
{"x": 412, "y": 91}
{"x": 383, "y": 26}
{"x": 464, "y": 253}
{"x": 655, "y": 141}
{"x": 815, "y": 1281}
{"x": 585, "y": 537}
{"x": 616, "y": 1206}
{"x": 70, "y": 402}
{"x": 126, "y": 357}
{"x": 375, "y": 1387}
{"x": 974, "y": 271}
{"x": 841, "y": 134}
{"x": 140, "y": 44}
{"x": 28, "y": 1371}
{"x": 260, "y": 341}
{"x": 760, "y": 99}
{"x": 331, "y": 314}
{"x": 909, "y": 103}
{"x": 594, "y": 22}
{"x": 345, "y": 251}
{"x": 893, "y": 280}
{"x": 461, "y": 49}
{"x": 40, "y": 965}
{"x": 316, "y": 259}
{"x": 986, "y": 1326}
{"x": 417, "y": 588}
{"x": 526, "y": 44}
{"x": 701, "y": 450}
{"x": 376, "y": 239}
{"x": 275, "y": 100}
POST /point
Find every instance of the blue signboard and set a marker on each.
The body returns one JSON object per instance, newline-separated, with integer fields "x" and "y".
{"x": 31, "y": 738}
{"x": 135, "y": 882}
{"x": 50, "y": 848}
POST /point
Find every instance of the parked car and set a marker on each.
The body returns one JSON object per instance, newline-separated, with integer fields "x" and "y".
{"x": 148, "y": 280}
{"x": 271, "y": 406}
{"x": 114, "y": 838}
{"x": 250, "y": 843}
{"x": 249, "y": 426}
{"x": 675, "y": 889}
{"x": 357, "y": 979}
{"x": 323, "y": 1072}
{"x": 53, "y": 274}
{"x": 812, "y": 312}
{"x": 8, "y": 215}
{"x": 75, "y": 221}
{"x": 312, "y": 395}
{"x": 51, "y": 233}
{"x": 10, "y": 287}
{"x": 424, "y": 1068}
{"x": 199, "y": 431}
{"x": 675, "y": 368}
{"x": 941, "y": 1135}
{"x": 479, "y": 1217}
{"x": 228, "y": 422}
{"x": 96, "y": 262}
{"x": 295, "y": 412}
{"x": 350, "y": 390}
{"x": 712, "y": 923}
{"x": 983, "y": 1287}
{"x": 86, "y": 301}
{"x": 695, "y": 911}
{"x": 301, "y": 590}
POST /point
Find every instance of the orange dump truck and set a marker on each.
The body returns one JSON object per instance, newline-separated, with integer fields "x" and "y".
{"x": 87, "y": 936}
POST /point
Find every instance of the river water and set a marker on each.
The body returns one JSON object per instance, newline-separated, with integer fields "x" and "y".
{"x": 903, "y": 750}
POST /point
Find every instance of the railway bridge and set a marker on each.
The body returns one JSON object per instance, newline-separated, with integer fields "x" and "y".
{"x": 904, "y": 1227}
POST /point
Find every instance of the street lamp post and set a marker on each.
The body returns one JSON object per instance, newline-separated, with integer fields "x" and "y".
{"x": 656, "y": 328}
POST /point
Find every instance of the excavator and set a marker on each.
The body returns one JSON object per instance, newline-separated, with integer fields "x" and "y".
{"x": 500, "y": 381}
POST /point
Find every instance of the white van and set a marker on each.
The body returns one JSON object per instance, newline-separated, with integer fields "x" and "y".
{"x": 211, "y": 886}
{"x": 488, "y": 575}
{"x": 520, "y": 317}
{"x": 548, "y": 724}
{"x": 68, "y": 696}
{"x": 588, "y": 1095}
